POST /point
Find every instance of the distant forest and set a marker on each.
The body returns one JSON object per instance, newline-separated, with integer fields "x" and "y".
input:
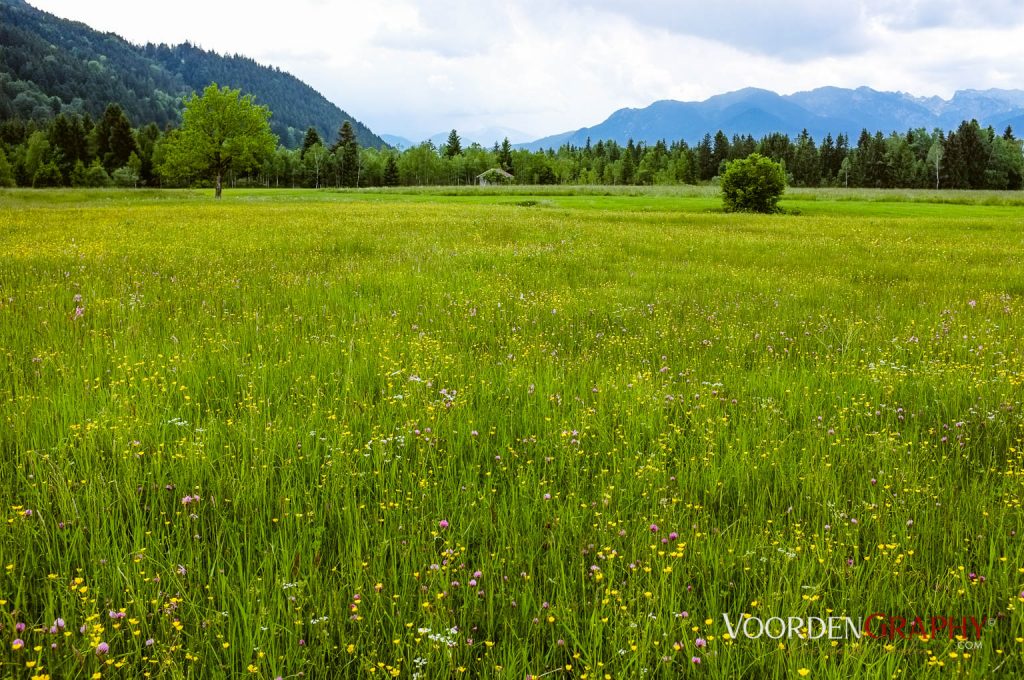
{"x": 77, "y": 150}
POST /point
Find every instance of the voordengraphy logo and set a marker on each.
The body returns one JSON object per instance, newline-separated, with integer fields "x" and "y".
{"x": 807, "y": 628}
{"x": 878, "y": 626}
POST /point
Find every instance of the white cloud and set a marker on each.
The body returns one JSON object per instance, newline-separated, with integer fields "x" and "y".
{"x": 416, "y": 67}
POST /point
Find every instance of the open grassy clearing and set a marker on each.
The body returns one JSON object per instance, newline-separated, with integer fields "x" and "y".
{"x": 687, "y": 199}
{"x": 404, "y": 433}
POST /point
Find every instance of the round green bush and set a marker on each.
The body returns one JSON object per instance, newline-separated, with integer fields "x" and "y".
{"x": 753, "y": 184}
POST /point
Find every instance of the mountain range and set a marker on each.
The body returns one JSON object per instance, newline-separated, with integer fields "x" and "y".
{"x": 485, "y": 137}
{"x": 822, "y": 111}
{"x": 49, "y": 65}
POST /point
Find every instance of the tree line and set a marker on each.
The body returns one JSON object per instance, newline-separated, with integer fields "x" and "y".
{"x": 77, "y": 150}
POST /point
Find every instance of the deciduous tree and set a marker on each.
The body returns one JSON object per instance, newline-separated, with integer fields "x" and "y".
{"x": 220, "y": 130}
{"x": 935, "y": 154}
{"x": 753, "y": 184}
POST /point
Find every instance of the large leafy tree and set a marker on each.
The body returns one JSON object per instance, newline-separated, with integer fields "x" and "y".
{"x": 315, "y": 161}
{"x": 221, "y": 130}
{"x": 1005, "y": 169}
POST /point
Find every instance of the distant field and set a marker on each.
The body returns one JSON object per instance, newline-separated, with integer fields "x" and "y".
{"x": 509, "y": 433}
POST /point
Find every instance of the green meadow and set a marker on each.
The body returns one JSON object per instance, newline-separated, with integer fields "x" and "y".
{"x": 512, "y": 433}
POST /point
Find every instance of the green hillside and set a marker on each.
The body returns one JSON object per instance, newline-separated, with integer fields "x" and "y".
{"x": 50, "y": 65}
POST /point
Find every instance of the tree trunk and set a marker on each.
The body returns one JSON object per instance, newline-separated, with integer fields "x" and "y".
{"x": 217, "y": 189}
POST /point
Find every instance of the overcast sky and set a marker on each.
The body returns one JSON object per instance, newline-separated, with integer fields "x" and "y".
{"x": 418, "y": 67}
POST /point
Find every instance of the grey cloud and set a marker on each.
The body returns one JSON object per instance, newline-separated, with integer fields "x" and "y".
{"x": 795, "y": 30}
{"x": 450, "y": 29}
{"x": 804, "y": 30}
{"x": 909, "y": 15}
{"x": 431, "y": 43}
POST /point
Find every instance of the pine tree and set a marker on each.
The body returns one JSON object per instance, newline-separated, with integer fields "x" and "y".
{"x": 778, "y": 147}
{"x": 741, "y": 147}
{"x": 346, "y": 151}
{"x": 122, "y": 144}
{"x": 720, "y": 152}
{"x": 806, "y": 167}
{"x": 879, "y": 168}
{"x": 505, "y": 155}
{"x": 391, "y": 171}
{"x": 312, "y": 138}
{"x": 68, "y": 141}
{"x": 113, "y": 138}
{"x": 627, "y": 171}
{"x": 101, "y": 131}
{"x": 966, "y": 152}
{"x": 828, "y": 160}
{"x": 899, "y": 160}
{"x": 453, "y": 147}
{"x": 147, "y": 139}
{"x": 859, "y": 171}
{"x": 706, "y": 159}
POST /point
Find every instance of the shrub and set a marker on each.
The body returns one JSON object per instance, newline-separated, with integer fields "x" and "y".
{"x": 125, "y": 177}
{"x": 93, "y": 176}
{"x": 753, "y": 184}
{"x": 6, "y": 175}
{"x": 48, "y": 175}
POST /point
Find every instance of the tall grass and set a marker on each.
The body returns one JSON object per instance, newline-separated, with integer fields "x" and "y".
{"x": 369, "y": 438}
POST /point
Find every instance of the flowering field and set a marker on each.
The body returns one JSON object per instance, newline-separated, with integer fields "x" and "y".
{"x": 571, "y": 436}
